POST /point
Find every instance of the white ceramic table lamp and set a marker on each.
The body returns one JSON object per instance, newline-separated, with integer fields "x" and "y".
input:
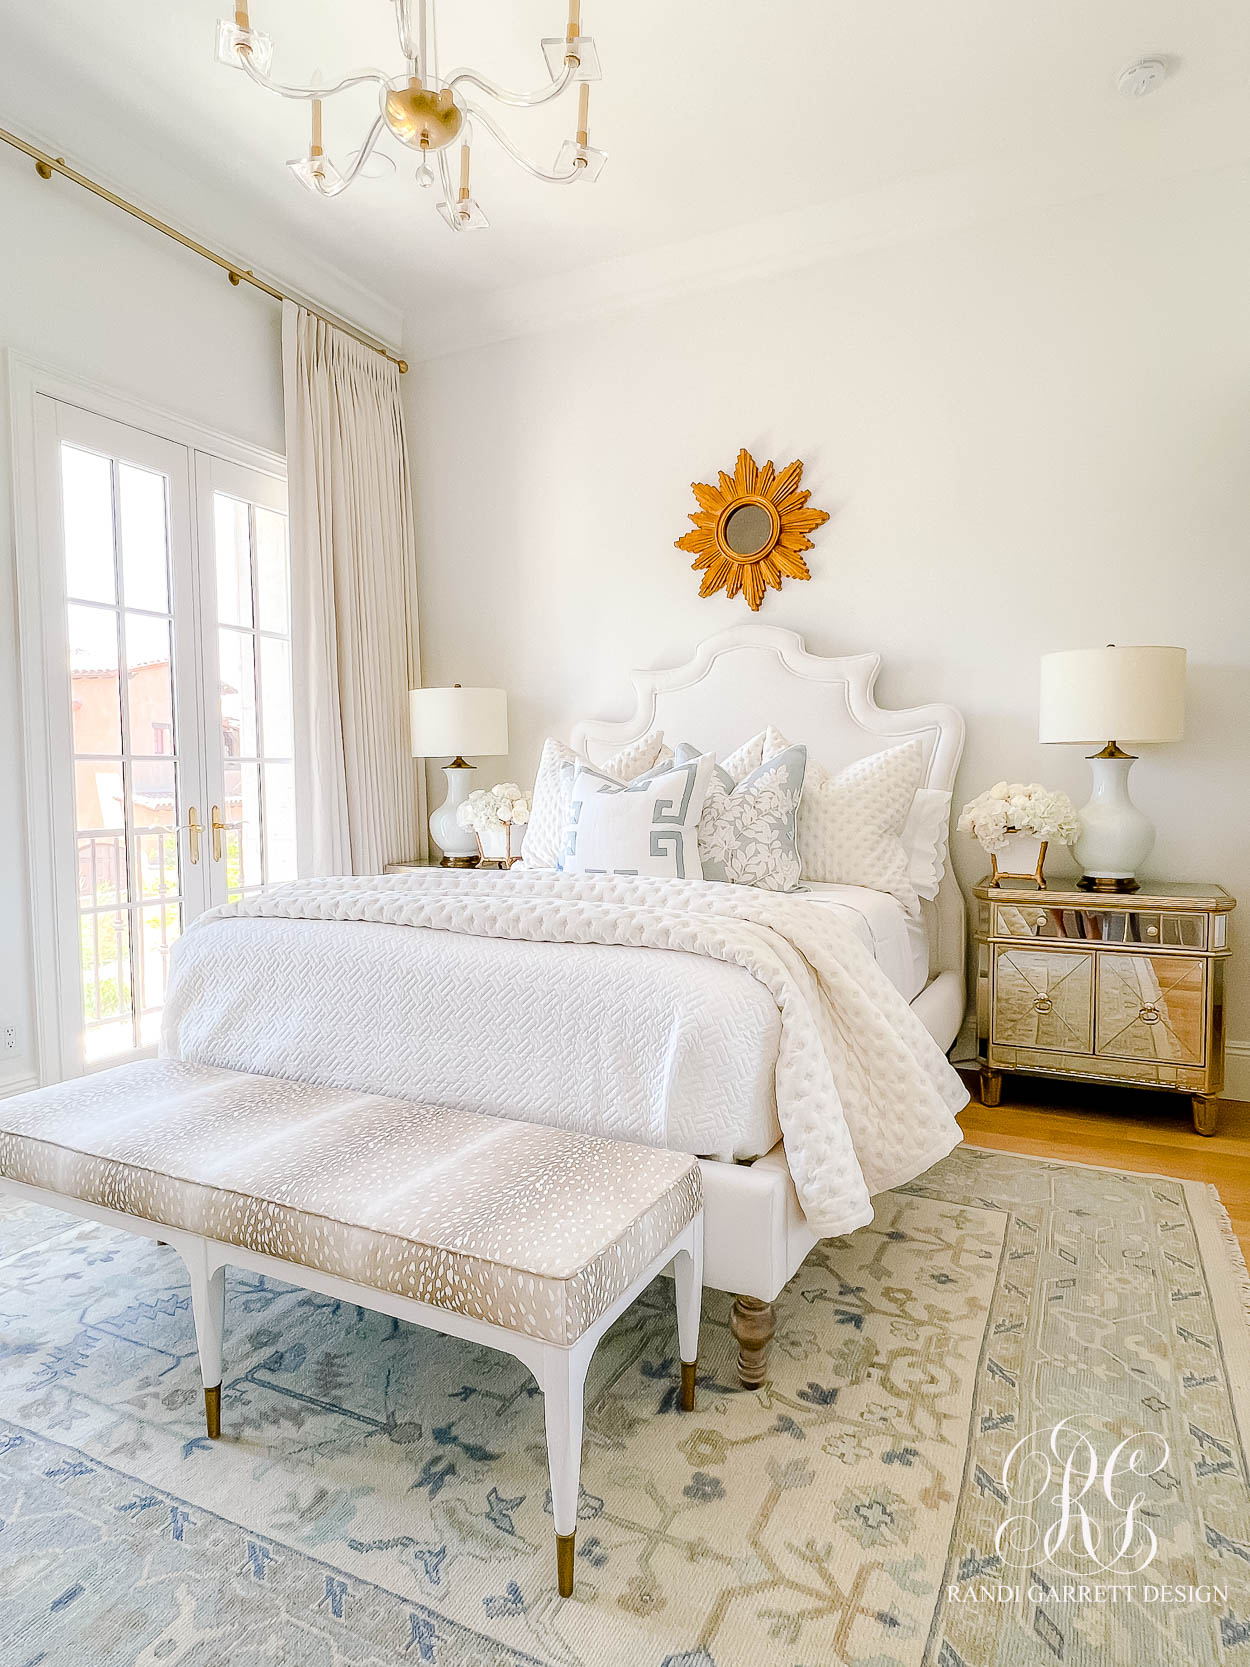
{"x": 1112, "y": 694}
{"x": 457, "y": 721}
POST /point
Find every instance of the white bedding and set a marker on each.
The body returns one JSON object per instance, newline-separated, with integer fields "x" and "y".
{"x": 653, "y": 1010}
{"x": 898, "y": 940}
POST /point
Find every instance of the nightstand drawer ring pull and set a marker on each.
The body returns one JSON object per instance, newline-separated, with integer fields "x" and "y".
{"x": 1150, "y": 1015}
{"x": 1043, "y": 1004}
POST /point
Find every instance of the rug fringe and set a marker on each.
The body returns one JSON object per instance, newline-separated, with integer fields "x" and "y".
{"x": 1236, "y": 1255}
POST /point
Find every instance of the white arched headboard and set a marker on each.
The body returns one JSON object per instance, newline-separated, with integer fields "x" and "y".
{"x": 753, "y": 675}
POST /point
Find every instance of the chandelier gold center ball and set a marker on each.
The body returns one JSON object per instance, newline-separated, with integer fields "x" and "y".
{"x": 422, "y": 117}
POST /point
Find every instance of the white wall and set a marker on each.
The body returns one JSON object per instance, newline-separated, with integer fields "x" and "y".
{"x": 102, "y": 298}
{"x": 1032, "y": 435}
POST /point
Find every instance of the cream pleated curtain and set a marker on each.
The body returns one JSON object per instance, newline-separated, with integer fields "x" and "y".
{"x": 353, "y": 601}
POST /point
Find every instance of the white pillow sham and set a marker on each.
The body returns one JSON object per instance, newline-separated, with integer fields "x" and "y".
{"x": 649, "y": 826}
{"x": 926, "y": 836}
{"x": 544, "y": 833}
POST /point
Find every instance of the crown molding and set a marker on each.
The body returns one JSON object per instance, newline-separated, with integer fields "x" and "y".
{"x": 1185, "y": 140}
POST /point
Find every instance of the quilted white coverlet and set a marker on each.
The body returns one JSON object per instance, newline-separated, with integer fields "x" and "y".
{"x": 865, "y": 1098}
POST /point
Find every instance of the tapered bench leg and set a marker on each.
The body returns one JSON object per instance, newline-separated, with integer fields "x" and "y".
{"x": 564, "y": 1383}
{"x": 208, "y": 1303}
{"x": 688, "y": 1278}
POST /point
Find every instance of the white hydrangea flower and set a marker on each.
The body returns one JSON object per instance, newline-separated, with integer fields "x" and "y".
{"x": 1019, "y": 808}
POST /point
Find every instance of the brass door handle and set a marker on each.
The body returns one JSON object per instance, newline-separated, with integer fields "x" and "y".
{"x": 194, "y": 829}
{"x": 219, "y": 827}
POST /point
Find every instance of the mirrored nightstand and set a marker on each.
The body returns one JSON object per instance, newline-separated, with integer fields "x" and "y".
{"x": 1114, "y": 988}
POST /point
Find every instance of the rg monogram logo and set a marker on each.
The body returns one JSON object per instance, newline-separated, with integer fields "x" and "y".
{"x": 1085, "y": 1512}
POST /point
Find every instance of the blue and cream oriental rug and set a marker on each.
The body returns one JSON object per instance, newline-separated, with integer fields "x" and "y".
{"x": 1006, "y": 1426}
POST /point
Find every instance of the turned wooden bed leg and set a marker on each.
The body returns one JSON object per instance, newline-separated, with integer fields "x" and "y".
{"x": 753, "y": 1323}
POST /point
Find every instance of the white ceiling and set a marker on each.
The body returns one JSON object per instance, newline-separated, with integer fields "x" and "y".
{"x": 813, "y": 122}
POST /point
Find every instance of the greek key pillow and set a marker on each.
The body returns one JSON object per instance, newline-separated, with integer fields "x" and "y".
{"x": 544, "y": 833}
{"x": 851, "y": 823}
{"x": 648, "y": 827}
{"x": 748, "y": 831}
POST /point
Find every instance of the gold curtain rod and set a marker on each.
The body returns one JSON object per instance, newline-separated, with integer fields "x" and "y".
{"x": 46, "y": 166}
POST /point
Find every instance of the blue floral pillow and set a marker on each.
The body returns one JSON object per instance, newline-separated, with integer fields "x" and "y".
{"x": 748, "y": 833}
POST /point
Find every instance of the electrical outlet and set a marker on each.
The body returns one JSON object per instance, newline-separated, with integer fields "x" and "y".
{"x": 10, "y": 1038}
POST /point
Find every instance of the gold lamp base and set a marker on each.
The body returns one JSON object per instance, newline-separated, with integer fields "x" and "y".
{"x": 459, "y": 862}
{"x": 1101, "y": 882}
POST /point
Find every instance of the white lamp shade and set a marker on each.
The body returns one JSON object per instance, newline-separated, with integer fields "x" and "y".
{"x": 1112, "y": 694}
{"x": 455, "y": 721}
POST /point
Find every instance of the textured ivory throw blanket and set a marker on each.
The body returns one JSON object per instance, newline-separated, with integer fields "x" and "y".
{"x": 865, "y": 1098}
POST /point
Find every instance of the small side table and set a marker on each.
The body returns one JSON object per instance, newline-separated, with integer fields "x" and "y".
{"x": 1120, "y": 988}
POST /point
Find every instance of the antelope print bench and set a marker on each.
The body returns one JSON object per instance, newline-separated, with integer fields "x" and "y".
{"x": 525, "y": 1238}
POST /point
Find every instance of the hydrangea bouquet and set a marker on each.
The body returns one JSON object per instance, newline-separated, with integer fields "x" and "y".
{"x": 1010, "y": 808}
{"x": 492, "y": 813}
{"x": 1014, "y": 822}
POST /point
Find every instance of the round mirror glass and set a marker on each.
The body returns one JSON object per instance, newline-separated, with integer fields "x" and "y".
{"x": 748, "y": 530}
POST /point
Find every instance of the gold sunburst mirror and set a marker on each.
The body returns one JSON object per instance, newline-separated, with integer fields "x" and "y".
{"x": 750, "y": 530}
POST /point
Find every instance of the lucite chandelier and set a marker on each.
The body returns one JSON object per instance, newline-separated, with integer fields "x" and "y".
{"x": 430, "y": 112}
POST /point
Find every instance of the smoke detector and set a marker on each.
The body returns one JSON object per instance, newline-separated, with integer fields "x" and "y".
{"x": 1142, "y": 78}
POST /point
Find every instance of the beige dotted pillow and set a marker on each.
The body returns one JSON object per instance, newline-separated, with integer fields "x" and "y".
{"x": 544, "y": 833}
{"x": 851, "y": 823}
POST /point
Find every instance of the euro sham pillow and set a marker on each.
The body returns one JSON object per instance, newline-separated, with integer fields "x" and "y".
{"x": 748, "y": 833}
{"x": 544, "y": 833}
{"x": 851, "y": 823}
{"x": 649, "y": 826}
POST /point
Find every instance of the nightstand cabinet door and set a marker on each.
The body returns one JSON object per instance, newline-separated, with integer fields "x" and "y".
{"x": 1151, "y": 1007}
{"x": 1043, "y": 998}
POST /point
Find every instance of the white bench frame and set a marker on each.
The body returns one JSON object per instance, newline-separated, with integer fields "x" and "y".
{"x": 560, "y": 1370}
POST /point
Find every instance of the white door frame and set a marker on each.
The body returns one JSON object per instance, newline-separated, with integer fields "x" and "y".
{"x": 28, "y": 378}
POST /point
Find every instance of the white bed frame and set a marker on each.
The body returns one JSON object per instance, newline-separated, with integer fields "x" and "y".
{"x": 755, "y": 1234}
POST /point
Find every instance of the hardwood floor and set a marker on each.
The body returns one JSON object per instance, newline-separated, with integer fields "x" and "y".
{"x": 1119, "y": 1128}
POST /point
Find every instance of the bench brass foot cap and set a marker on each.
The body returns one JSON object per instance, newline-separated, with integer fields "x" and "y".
{"x": 688, "y": 1369}
{"x": 564, "y": 1563}
{"x": 212, "y": 1411}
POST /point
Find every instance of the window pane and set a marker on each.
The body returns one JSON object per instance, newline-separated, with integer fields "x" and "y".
{"x": 87, "y": 509}
{"x": 275, "y": 696}
{"x": 242, "y": 813}
{"x": 98, "y": 798}
{"x": 272, "y": 594}
{"x": 238, "y": 694}
{"x": 234, "y": 564}
{"x": 95, "y": 688}
{"x": 157, "y": 862}
{"x": 102, "y": 868}
{"x": 159, "y": 926}
{"x": 149, "y": 685}
{"x": 280, "y": 822}
{"x": 152, "y": 791}
{"x": 106, "y": 1001}
{"x": 145, "y": 560}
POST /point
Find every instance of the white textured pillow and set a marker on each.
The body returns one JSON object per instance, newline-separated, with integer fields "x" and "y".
{"x": 851, "y": 823}
{"x": 649, "y": 826}
{"x": 544, "y": 833}
{"x": 925, "y": 836}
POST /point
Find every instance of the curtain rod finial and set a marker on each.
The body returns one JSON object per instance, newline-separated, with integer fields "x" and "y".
{"x": 403, "y": 366}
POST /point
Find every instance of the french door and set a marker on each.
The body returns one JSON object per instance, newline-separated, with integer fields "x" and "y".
{"x": 167, "y": 662}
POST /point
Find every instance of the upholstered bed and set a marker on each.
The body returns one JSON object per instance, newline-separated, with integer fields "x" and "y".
{"x": 776, "y": 1037}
